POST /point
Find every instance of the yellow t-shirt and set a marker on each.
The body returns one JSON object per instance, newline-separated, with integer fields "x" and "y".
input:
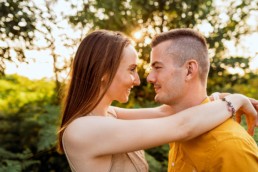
{"x": 226, "y": 148}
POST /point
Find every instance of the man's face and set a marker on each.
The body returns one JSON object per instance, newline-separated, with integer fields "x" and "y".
{"x": 167, "y": 76}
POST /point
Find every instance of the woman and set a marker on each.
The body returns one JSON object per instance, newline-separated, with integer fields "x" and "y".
{"x": 104, "y": 70}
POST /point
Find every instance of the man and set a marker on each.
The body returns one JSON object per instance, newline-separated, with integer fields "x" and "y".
{"x": 180, "y": 67}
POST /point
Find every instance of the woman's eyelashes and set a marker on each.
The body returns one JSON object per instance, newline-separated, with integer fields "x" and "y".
{"x": 133, "y": 69}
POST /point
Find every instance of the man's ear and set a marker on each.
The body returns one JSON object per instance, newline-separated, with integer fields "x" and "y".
{"x": 192, "y": 69}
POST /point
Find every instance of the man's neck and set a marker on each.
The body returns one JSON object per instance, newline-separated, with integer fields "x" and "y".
{"x": 191, "y": 98}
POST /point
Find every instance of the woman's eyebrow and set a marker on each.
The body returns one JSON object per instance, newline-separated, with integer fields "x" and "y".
{"x": 133, "y": 65}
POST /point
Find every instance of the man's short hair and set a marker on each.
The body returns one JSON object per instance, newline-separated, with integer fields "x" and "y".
{"x": 187, "y": 44}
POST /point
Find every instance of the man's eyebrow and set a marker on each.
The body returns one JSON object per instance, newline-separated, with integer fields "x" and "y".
{"x": 156, "y": 63}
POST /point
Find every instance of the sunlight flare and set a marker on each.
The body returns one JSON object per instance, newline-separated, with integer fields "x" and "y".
{"x": 137, "y": 35}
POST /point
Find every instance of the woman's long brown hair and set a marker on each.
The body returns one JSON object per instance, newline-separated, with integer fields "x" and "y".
{"x": 98, "y": 55}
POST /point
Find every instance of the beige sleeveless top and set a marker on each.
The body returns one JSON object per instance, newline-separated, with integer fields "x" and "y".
{"x": 129, "y": 162}
{"x": 124, "y": 162}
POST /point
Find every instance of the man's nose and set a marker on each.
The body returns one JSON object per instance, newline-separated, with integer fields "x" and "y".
{"x": 150, "y": 78}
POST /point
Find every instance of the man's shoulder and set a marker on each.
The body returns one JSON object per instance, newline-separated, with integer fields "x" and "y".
{"x": 230, "y": 128}
{"x": 226, "y": 131}
{"x": 230, "y": 131}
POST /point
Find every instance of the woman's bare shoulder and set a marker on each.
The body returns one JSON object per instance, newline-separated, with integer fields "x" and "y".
{"x": 82, "y": 130}
{"x": 80, "y": 139}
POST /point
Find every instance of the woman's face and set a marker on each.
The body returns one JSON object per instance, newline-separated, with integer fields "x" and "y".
{"x": 126, "y": 76}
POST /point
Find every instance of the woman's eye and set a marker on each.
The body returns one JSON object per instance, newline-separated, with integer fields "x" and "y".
{"x": 156, "y": 67}
{"x": 133, "y": 69}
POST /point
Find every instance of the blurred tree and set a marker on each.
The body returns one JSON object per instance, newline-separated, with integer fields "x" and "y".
{"x": 48, "y": 26}
{"x": 223, "y": 21}
{"x": 17, "y": 23}
{"x": 22, "y": 24}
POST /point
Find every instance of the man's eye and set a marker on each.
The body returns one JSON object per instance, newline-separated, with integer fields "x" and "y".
{"x": 156, "y": 67}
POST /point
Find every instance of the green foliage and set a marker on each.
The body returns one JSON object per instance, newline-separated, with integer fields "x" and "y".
{"x": 249, "y": 88}
{"x": 154, "y": 165}
{"x": 17, "y": 91}
{"x": 15, "y": 162}
{"x": 28, "y": 126}
{"x": 158, "y": 158}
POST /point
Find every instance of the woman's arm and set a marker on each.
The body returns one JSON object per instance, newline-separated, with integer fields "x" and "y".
{"x": 106, "y": 136}
{"x": 142, "y": 113}
{"x": 165, "y": 110}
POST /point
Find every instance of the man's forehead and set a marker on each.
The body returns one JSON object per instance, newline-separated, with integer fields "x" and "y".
{"x": 163, "y": 48}
{"x": 161, "y": 56}
{"x": 163, "y": 59}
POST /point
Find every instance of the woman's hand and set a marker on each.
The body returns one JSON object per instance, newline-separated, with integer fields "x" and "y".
{"x": 251, "y": 120}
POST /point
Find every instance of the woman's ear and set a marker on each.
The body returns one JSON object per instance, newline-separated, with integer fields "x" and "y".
{"x": 192, "y": 69}
{"x": 104, "y": 78}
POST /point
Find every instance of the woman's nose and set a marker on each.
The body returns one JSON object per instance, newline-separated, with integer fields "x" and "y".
{"x": 137, "y": 80}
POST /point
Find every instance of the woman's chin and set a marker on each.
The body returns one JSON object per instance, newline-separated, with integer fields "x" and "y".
{"x": 125, "y": 100}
